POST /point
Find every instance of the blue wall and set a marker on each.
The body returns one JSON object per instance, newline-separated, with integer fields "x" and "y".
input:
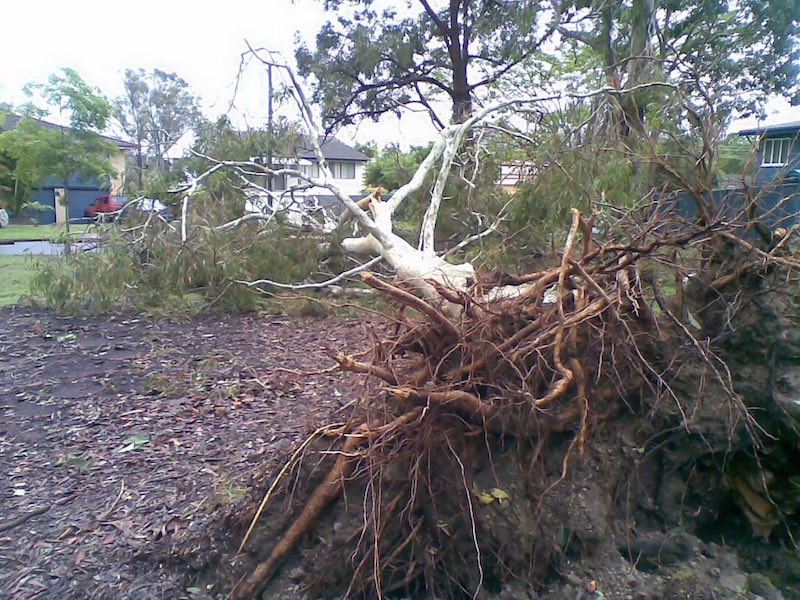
{"x": 45, "y": 197}
{"x": 777, "y": 205}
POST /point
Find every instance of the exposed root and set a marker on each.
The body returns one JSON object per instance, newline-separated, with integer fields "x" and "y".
{"x": 539, "y": 371}
{"x": 326, "y": 492}
{"x": 297, "y": 453}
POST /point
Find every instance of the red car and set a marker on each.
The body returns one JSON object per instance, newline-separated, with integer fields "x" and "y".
{"x": 103, "y": 205}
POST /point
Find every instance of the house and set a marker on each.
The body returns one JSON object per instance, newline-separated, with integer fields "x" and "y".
{"x": 345, "y": 163}
{"x": 778, "y": 151}
{"x": 772, "y": 195}
{"x": 81, "y": 192}
{"x": 515, "y": 172}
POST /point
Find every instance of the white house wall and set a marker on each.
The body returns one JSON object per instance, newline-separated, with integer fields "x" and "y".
{"x": 350, "y": 187}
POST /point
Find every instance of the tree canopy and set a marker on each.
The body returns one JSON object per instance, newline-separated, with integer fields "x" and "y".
{"x": 373, "y": 58}
{"x": 155, "y": 110}
{"x": 370, "y": 61}
{"x": 728, "y": 55}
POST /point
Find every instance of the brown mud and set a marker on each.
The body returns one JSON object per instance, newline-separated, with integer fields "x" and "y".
{"x": 120, "y": 434}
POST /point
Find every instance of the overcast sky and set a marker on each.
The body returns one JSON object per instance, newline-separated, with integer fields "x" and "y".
{"x": 201, "y": 41}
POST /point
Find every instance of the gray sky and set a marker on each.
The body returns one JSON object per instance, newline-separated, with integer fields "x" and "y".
{"x": 200, "y": 40}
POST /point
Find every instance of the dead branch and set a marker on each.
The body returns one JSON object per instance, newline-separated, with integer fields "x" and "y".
{"x": 346, "y": 363}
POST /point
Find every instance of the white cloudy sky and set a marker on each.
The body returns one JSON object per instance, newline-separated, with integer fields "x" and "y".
{"x": 201, "y": 41}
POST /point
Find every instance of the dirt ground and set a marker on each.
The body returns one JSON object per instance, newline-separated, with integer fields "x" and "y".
{"x": 119, "y": 432}
{"x": 133, "y": 449}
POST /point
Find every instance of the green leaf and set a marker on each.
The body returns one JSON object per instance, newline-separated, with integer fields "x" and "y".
{"x": 137, "y": 440}
{"x": 66, "y": 337}
{"x": 484, "y": 497}
{"x": 132, "y": 443}
{"x": 694, "y": 322}
{"x": 499, "y": 494}
{"x": 562, "y": 536}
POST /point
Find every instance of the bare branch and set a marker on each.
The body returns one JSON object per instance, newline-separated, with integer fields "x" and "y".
{"x": 314, "y": 286}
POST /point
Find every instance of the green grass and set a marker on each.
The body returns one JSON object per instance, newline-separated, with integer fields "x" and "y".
{"x": 15, "y": 276}
{"x": 37, "y": 232}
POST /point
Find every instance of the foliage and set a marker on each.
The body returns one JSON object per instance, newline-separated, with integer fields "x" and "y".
{"x": 737, "y": 156}
{"x": 38, "y": 150}
{"x": 732, "y": 53}
{"x": 219, "y": 140}
{"x": 392, "y": 168}
{"x": 155, "y": 110}
{"x": 13, "y": 192}
{"x": 368, "y": 149}
{"x": 152, "y": 270}
{"x": 370, "y": 61}
{"x": 614, "y": 149}
{"x": 466, "y": 207}
{"x": 222, "y": 141}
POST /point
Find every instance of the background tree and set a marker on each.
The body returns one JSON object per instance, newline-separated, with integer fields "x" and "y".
{"x": 67, "y": 151}
{"x": 369, "y": 61}
{"x": 733, "y": 53}
{"x": 221, "y": 139}
{"x": 391, "y": 167}
{"x": 156, "y": 109}
{"x": 12, "y": 192}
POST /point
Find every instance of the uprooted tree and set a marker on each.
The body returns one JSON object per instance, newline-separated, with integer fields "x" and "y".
{"x": 475, "y": 461}
{"x": 634, "y": 383}
{"x": 511, "y": 415}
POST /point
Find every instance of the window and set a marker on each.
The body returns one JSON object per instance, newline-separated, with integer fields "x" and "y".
{"x": 310, "y": 170}
{"x": 776, "y": 152}
{"x": 343, "y": 170}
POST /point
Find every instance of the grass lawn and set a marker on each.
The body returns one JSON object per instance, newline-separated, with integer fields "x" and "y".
{"x": 37, "y": 232}
{"x": 15, "y": 276}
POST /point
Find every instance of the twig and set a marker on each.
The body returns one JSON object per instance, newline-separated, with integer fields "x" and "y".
{"x": 35, "y": 512}
{"x": 111, "y": 508}
{"x": 471, "y": 520}
{"x": 411, "y": 300}
{"x": 314, "y": 286}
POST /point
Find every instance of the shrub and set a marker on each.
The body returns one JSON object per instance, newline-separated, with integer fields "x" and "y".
{"x": 148, "y": 268}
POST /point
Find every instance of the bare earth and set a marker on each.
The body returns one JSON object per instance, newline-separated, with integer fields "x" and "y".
{"x": 119, "y": 432}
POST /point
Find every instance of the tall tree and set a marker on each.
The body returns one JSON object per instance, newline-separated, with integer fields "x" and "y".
{"x": 40, "y": 151}
{"x": 156, "y": 109}
{"x": 370, "y": 61}
{"x": 732, "y": 53}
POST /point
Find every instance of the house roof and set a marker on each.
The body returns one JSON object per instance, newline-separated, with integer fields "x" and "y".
{"x": 12, "y": 120}
{"x": 332, "y": 149}
{"x": 790, "y": 127}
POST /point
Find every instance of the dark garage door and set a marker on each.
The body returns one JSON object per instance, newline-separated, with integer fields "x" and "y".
{"x": 79, "y": 199}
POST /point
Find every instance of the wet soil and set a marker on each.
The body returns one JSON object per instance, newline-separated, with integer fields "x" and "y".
{"x": 120, "y": 432}
{"x": 133, "y": 452}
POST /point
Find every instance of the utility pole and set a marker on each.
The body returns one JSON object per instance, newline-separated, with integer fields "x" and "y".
{"x": 269, "y": 100}
{"x": 269, "y": 124}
